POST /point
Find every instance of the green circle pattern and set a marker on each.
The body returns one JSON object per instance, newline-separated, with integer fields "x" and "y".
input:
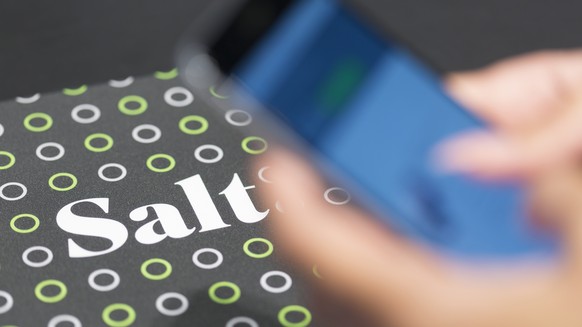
{"x": 103, "y": 136}
{"x": 11, "y": 157}
{"x": 150, "y": 163}
{"x": 122, "y": 105}
{"x": 258, "y": 255}
{"x": 212, "y": 292}
{"x": 150, "y": 276}
{"x": 48, "y": 122}
{"x": 215, "y": 94}
{"x": 128, "y": 321}
{"x": 72, "y": 177}
{"x": 50, "y": 299}
{"x": 166, "y": 75}
{"x": 143, "y": 105}
{"x": 75, "y": 92}
{"x": 294, "y": 308}
{"x": 24, "y": 231}
{"x": 184, "y": 128}
{"x": 249, "y": 139}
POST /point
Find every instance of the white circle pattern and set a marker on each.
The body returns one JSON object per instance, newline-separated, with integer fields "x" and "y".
{"x": 40, "y": 264}
{"x": 216, "y": 264}
{"x": 8, "y": 304}
{"x": 47, "y": 145}
{"x": 55, "y": 321}
{"x": 279, "y": 289}
{"x": 206, "y": 147}
{"x": 157, "y": 133}
{"x": 16, "y": 198}
{"x": 229, "y": 117}
{"x": 96, "y": 113}
{"x": 104, "y": 288}
{"x": 101, "y": 172}
{"x": 327, "y": 197}
{"x": 237, "y": 321}
{"x": 170, "y": 93}
{"x": 172, "y": 312}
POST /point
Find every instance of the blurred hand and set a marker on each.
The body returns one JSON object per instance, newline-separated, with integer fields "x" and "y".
{"x": 532, "y": 104}
{"x": 536, "y": 119}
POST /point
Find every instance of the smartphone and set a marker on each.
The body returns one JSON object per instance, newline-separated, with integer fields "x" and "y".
{"x": 365, "y": 103}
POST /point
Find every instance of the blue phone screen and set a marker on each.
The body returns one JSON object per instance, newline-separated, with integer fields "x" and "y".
{"x": 377, "y": 114}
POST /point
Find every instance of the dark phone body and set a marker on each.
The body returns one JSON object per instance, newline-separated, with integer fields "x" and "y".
{"x": 376, "y": 113}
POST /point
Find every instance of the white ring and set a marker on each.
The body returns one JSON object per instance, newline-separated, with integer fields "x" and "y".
{"x": 16, "y": 198}
{"x": 149, "y": 127}
{"x": 241, "y": 320}
{"x": 75, "y": 113}
{"x": 272, "y": 289}
{"x": 169, "y": 97}
{"x": 198, "y": 153}
{"x": 101, "y": 174}
{"x": 50, "y": 144}
{"x": 279, "y": 207}
{"x": 172, "y": 312}
{"x": 1, "y": 130}
{"x": 230, "y": 113}
{"x": 104, "y": 288}
{"x": 199, "y": 264}
{"x": 65, "y": 318}
{"x": 28, "y": 100}
{"x": 262, "y": 176}
{"x": 45, "y": 262}
{"x": 121, "y": 83}
{"x": 337, "y": 203}
{"x": 9, "y": 302}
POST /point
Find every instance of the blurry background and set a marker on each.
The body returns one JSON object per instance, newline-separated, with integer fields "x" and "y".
{"x": 47, "y": 45}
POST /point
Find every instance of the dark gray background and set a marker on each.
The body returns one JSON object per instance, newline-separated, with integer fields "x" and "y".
{"x": 45, "y": 45}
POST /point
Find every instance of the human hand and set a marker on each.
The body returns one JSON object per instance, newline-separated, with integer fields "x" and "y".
{"x": 403, "y": 284}
{"x": 533, "y": 105}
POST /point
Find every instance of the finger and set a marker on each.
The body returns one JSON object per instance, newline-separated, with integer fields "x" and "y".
{"x": 556, "y": 197}
{"x": 518, "y": 91}
{"x": 494, "y": 155}
{"x": 358, "y": 258}
{"x": 396, "y": 280}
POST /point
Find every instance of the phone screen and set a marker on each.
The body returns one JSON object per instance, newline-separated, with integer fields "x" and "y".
{"x": 377, "y": 113}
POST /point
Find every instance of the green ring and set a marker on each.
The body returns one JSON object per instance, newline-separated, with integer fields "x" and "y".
{"x": 247, "y": 140}
{"x": 24, "y": 231}
{"x": 203, "y": 122}
{"x": 50, "y": 299}
{"x": 215, "y": 94}
{"x": 122, "y": 105}
{"x": 166, "y": 75}
{"x": 41, "y": 115}
{"x": 258, "y": 255}
{"x": 11, "y": 157}
{"x": 294, "y": 308}
{"x": 91, "y": 137}
{"x": 52, "y": 185}
{"x": 149, "y": 163}
{"x": 230, "y": 300}
{"x": 150, "y": 276}
{"x": 74, "y": 92}
{"x": 106, "y": 315}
